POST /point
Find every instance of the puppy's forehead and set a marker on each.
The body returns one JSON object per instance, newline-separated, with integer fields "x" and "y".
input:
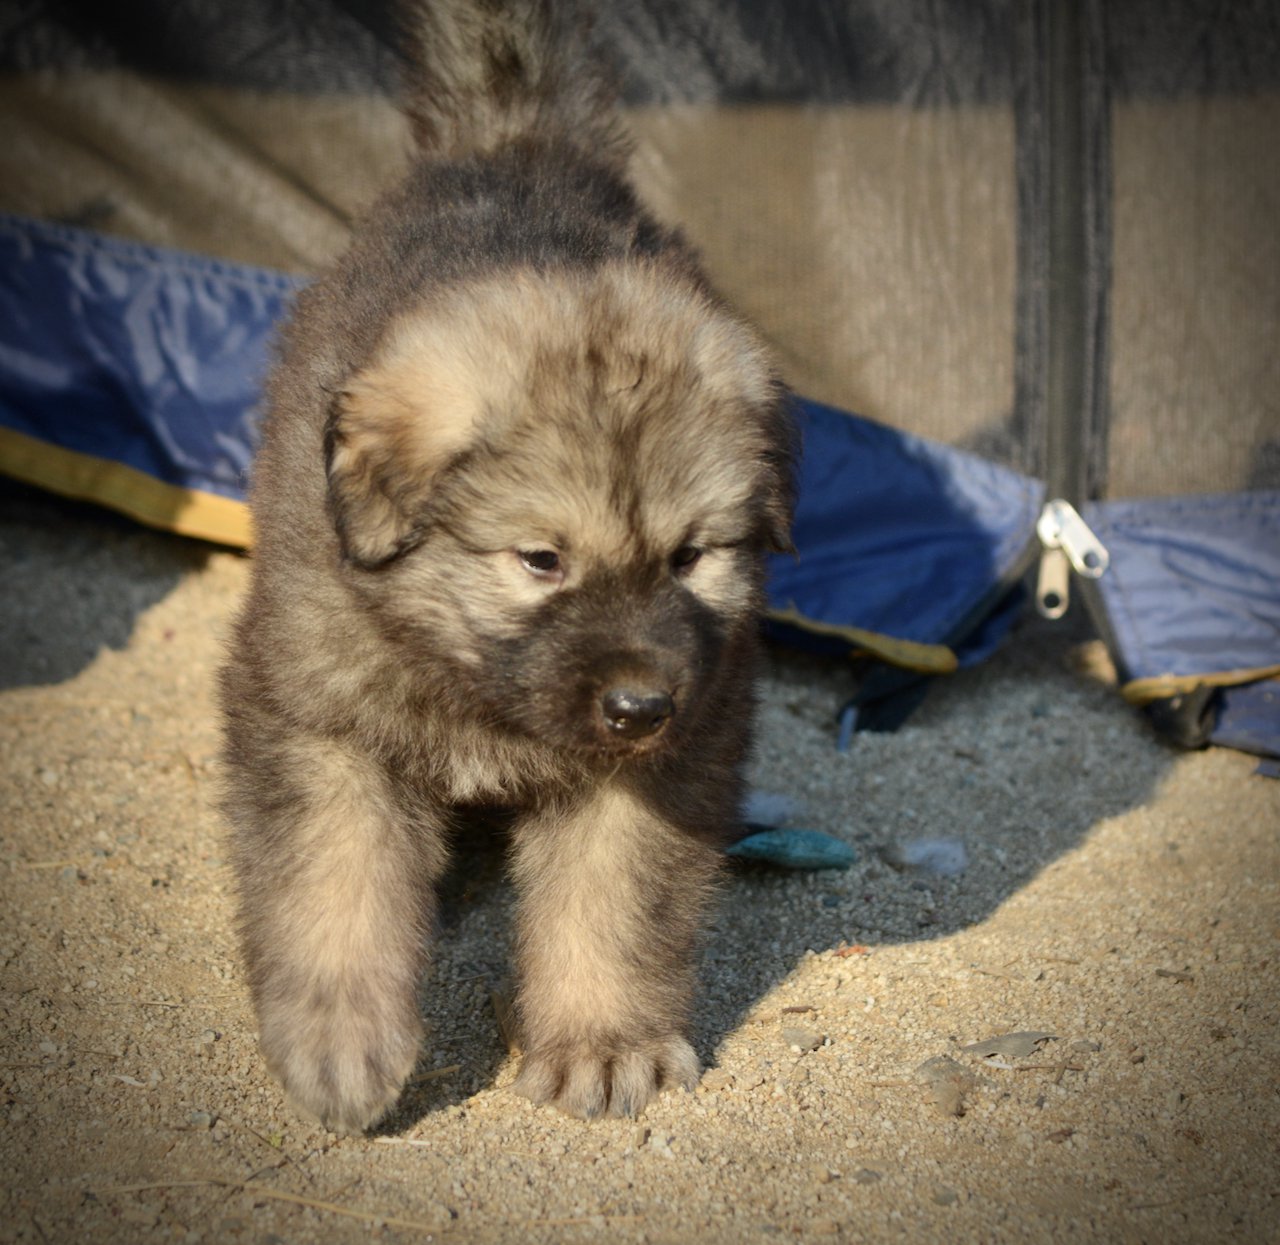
{"x": 608, "y": 329}
{"x": 622, "y": 403}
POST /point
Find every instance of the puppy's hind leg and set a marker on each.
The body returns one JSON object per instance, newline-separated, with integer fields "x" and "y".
{"x": 337, "y": 901}
{"x": 610, "y": 902}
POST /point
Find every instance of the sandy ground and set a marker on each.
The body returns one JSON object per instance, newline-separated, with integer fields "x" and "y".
{"x": 1118, "y": 895}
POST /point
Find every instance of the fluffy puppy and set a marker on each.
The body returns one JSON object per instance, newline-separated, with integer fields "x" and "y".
{"x": 519, "y": 469}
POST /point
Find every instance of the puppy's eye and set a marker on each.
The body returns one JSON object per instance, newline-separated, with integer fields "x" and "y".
{"x": 544, "y": 563}
{"x": 685, "y": 558}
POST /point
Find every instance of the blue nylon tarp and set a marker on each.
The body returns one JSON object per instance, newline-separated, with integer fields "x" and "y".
{"x": 139, "y": 355}
{"x": 1193, "y": 594}
{"x": 1194, "y": 582}
{"x": 937, "y": 535}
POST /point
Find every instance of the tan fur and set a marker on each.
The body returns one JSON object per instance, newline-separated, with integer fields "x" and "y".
{"x": 586, "y": 878}
{"x": 517, "y": 477}
{"x": 476, "y": 361}
{"x": 352, "y": 918}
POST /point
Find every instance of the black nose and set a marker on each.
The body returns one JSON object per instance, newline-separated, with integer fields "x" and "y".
{"x": 635, "y": 714}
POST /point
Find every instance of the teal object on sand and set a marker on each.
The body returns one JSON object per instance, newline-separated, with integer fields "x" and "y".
{"x": 794, "y": 849}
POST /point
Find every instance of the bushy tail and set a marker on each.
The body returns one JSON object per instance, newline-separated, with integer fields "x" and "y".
{"x": 485, "y": 73}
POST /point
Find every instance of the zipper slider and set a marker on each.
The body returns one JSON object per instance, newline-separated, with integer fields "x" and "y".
{"x": 1068, "y": 545}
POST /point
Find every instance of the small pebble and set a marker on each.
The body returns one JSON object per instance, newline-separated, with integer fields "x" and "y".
{"x": 801, "y": 1040}
{"x": 867, "y": 1175}
{"x": 795, "y": 849}
{"x": 661, "y": 1146}
{"x": 1019, "y": 1045}
{"x": 200, "y": 1119}
{"x": 140, "y": 1216}
{"x": 945, "y": 858}
{"x": 208, "y": 1037}
{"x": 715, "y": 1079}
{"x": 945, "y": 1197}
{"x": 946, "y": 1084}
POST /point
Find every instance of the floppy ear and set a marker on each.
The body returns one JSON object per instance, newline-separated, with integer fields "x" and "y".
{"x": 734, "y": 366}
{"x": 781, "y": 463}
{"x": 393, "y": 428}
{"x": 777, "y": 515}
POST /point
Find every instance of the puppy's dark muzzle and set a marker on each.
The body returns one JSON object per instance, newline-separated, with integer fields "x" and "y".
{"x": 631, "y": 713}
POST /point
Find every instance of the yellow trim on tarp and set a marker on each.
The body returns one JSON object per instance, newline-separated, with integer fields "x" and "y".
{"x": 910, "y": 654}
{"x": 1163, "y": 686}
{"x": 205, "y": 516}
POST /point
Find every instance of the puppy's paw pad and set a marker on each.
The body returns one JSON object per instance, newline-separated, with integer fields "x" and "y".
{"x": 348, "y": 1115}
{"x": 345, "y": 1085}
{"x": 585, "y": 1084}
{"x": 639, "y": 1075}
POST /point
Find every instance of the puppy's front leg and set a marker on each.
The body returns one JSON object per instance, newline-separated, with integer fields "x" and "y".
{"x": 337, "y": 900}
{"x": 610, "y": 901}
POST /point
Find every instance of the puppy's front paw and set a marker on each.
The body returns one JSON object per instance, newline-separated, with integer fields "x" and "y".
{"x": 342, "y": 1072}
{"x": 588, "y": 1084}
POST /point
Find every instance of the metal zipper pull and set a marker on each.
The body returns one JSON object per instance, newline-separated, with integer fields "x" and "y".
{"x": 1068, "y": 543}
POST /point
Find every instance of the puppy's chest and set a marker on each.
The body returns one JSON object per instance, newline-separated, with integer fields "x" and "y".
{"x": 465, "y": 765}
